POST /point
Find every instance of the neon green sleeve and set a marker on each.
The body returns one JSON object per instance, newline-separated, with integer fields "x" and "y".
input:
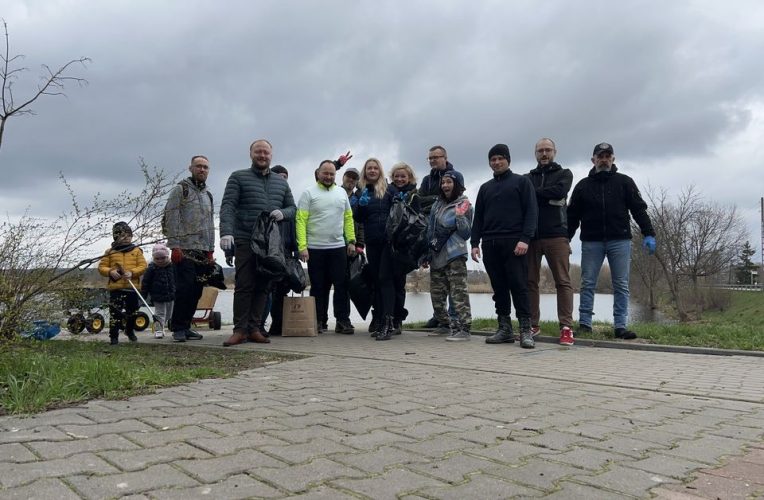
{"x": 301, "y": 223}
{"x": 349, "y": 225}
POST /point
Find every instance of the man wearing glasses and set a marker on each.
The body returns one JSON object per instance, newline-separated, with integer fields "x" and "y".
{"x": 429, "y": 190}
{"x": 552, "y": 184}
{"x": 601, "y": 204}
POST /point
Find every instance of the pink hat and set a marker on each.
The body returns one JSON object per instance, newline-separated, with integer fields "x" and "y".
{"x": 160, "y": 250}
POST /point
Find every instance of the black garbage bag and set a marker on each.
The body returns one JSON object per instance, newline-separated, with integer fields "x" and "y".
{"x": 360, "y": 288}
{"x": 215, "y": 277}
{"x": 295, "y": 275}
{"x": 407, "y": 234}
{"x": 268, "y": 249}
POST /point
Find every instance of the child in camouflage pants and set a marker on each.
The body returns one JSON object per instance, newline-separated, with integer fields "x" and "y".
{"x": 448, "y": 229}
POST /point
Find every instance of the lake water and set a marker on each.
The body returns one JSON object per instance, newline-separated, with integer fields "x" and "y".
{"x": 420, "y": 307}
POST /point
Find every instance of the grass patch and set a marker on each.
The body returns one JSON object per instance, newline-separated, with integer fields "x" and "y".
{"x": 738, "y": 327}
{"x": 37, "y": 376}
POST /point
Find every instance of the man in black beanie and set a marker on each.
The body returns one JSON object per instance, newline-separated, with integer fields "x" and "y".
{"x": 505, "y": 221}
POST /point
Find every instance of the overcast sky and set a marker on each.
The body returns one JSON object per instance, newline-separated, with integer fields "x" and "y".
{"x": 676, "y": 87}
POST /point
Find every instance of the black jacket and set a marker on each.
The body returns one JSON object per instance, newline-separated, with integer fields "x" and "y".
{"x": 601, "y": 203}
{"x": 505, "y": 208}
{"x": 373, "y": 217}
{"x": 552, "y": 184}
{"x": 429, "y": 188}
{"x": 159, "y": 283}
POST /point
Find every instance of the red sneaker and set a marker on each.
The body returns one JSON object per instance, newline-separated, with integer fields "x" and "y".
{"x": 535, "y": 330}
{"x": 566, "y": 336}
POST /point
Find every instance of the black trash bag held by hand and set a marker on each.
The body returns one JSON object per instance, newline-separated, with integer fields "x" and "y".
{"x": 361, "y": 291}
{"x": 266, "y": 245}
{"x": 407, "y": 234}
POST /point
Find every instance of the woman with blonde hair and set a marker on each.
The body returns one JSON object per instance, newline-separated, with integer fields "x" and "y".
{"x": 392, "y": 271}
{"x": 371, "y": 212}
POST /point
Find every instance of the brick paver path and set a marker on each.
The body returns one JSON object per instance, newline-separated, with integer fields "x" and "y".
{"x": 412, "y": 418}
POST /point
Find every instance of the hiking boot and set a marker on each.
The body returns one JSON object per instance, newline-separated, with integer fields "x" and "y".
{"x": 238, "y": 337}
{"x": 179, "y": 336}
{"x": 526, "y": 335}
{"x": 461, "y": 334}
{"x": 623, "y": 333}
{"x": 387, "y": 331}
{"x": 257, "y": 337}
{"x": 503, "y": 334}
{"x": 584, "y": 328}
{"x": 397, "y": 324}
{"x": 440, "y": 329}
{"x": 193, "y": 335}
{"x": 131, "y": 336}
{"x": 344, "y": 327}
{"x": 432, "y": 323}
{"x": 566, "y": 336}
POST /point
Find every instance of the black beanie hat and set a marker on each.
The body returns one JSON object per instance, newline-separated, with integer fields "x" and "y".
{"x": 500, "y": 150}
{"x": 119, "y": 229}
{"x": 279, "y": 169}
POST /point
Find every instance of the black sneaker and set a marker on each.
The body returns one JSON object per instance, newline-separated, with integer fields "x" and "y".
{"x": 623, "y": 333}
{"x": 179, "y": 336}
{"x": 431, "y": 323}
{"x": 584, "y": 328}
{"x": 193, "y": 335}
{"x": 344, "y": 327}
{"x": 132, "y": 337}
{"x": 113, "y": 341}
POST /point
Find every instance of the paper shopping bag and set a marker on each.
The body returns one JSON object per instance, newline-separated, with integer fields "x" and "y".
{"x": 299, "y": 317}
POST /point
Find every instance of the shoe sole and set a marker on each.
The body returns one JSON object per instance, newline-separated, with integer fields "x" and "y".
{"x": 566, "y": 343}
{"x": 449, "y": 339}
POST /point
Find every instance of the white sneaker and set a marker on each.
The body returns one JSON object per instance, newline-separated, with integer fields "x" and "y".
{"x": 159, "y": 334}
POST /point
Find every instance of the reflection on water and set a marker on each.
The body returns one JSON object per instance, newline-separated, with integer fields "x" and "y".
{"x": 420, "y": 307}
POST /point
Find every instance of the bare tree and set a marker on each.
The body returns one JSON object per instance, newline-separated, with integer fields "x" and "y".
{"x": 52, "y": 82}
{"x": 39, "y": 257}
{"x": 697, "y": 239}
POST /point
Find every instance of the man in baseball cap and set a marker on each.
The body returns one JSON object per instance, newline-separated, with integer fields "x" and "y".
{"x": 603, "y": 204}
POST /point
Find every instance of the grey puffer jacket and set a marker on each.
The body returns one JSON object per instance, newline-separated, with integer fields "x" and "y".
{"x": 189, "y": 221}
{"x": 247, "y": 194}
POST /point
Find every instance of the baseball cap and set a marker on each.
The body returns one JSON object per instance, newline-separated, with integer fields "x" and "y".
{"x": 353, "y": 171}
{"x": 603, "y": 147}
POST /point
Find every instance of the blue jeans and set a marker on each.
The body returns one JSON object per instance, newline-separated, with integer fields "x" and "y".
{"x": 593, "y": 253}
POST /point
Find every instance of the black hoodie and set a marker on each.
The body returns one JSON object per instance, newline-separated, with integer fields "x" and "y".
{"x": 552, "y": 183}
{"x": 601, "y": 204}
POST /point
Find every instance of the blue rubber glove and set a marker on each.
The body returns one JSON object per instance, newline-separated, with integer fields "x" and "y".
{"x": 650, "y": 244}
{"x": 364, "y": 199}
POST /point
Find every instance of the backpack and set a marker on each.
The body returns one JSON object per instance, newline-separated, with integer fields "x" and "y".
{"x": 407, "y": 233}
{"x": 184, "y": 188}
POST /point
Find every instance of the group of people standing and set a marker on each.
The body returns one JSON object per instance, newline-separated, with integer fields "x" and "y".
{"x": 515, "y": 221}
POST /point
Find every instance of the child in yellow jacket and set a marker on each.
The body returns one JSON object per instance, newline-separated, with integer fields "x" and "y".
{"x": 122, "y": 261}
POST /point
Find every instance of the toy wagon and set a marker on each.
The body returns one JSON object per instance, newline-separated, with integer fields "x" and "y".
{"x": 205, "y": 312}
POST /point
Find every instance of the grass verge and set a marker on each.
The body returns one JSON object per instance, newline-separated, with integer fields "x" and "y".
{"x": 740, "y": 326}
{"x": 37, "y": 376}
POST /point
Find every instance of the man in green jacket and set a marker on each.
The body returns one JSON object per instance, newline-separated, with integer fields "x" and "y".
{"x": 248, "y": 193}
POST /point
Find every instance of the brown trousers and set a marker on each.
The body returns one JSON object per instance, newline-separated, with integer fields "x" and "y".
{"x": 557, "y": 253}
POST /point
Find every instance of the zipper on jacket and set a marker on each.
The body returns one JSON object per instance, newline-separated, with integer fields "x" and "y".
{"x": 604, "y": 215}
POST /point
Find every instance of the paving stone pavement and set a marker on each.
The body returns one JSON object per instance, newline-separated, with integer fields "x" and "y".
{"x": 413, "y": 418}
